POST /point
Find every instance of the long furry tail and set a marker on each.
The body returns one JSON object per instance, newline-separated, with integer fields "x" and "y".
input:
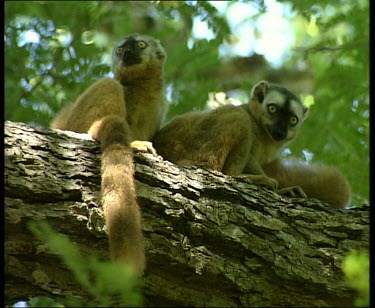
{"x": 325, "y": 183}
{"x": 122, "y": 213}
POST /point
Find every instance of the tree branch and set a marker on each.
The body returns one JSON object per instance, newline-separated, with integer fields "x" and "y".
{"x": 211, "y": 239}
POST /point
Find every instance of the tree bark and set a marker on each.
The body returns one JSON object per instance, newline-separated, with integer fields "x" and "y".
{"x": 211, "y": 239}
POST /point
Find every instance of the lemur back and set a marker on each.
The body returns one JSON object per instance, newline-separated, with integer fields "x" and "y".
{"x": 246, "y": 140}
{"x": 229, "y": 137}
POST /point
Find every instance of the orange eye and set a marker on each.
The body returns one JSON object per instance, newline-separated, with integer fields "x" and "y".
{"x": 142, "y": 45}
{"x": 293, "y": 120}
{"x": 119, "y": 50}
{"x": 272, "y": 108}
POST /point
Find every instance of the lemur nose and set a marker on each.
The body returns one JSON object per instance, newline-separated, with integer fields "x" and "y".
{"x": 128, "y": 51}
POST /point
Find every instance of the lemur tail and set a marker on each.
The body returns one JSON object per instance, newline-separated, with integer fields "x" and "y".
{"x": 122, "y": 213}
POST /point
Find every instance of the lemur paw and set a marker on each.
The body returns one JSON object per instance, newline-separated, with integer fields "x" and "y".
{"x": 143, "y": 146}
{"x": 293, "y": 191}
{"x": 262, "y": 180}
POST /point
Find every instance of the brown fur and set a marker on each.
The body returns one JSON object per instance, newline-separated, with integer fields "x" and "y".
{"x": 230, "y": 139}
{"x": 325, "y": 183}
{"x": 235, "y": 141}
{"x": 119, "y": 113}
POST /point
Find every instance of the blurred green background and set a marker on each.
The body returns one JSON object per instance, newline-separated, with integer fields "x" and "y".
{"x": 318, "y": 49}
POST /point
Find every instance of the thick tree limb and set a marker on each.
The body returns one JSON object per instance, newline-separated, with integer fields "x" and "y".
{"x": 211, "y": 240}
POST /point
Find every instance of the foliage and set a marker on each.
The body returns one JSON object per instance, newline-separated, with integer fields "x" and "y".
{"x": 338, "y": 126}
{"x": 39, "y": 301}
{"x": 357, "y": 268}
{"x": 108, "y": 284}
{"x": 54, "y": 50}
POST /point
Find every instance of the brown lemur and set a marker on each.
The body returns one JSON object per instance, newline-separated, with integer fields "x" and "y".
{"x": 246, "y": 140}
{"x": 123, "y": 112}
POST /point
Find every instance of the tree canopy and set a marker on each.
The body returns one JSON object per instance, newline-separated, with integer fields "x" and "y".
{"x": 55, "y": 49}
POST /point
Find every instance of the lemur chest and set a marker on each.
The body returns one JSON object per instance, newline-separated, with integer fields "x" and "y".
{"x": 143, "y": 113}
{"x": 264, "y": 153}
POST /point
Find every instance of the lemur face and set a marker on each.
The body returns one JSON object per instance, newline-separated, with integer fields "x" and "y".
{"x": 130, "y": 51}
{"x": 136, "y": 50}
{"x": 281, "y": 112}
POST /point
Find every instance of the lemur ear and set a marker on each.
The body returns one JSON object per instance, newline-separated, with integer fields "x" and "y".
{"x": 259, "y": 91}
{"x": 305, "y": 112}
{"x": 160, "y": 55}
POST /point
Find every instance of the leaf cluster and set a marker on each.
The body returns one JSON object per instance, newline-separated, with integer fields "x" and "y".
{"x": 107, "y": 284}
{"x": 356, "y": 267}
{"x": 337, "y": 130}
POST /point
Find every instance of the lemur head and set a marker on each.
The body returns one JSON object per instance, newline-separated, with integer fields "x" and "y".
{"x": 278, "y": 110}
{"x": 137, "y": 56}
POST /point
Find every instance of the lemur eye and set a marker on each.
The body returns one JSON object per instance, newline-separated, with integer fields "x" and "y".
{"x": 119, "y": 50}
{"x": 272, "y": 108}
{"x": 293, "y": 120}
{"x": 142, "y": 44}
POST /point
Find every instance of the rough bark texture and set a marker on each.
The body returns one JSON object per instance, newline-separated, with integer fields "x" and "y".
{"x": 211, "y": 240}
